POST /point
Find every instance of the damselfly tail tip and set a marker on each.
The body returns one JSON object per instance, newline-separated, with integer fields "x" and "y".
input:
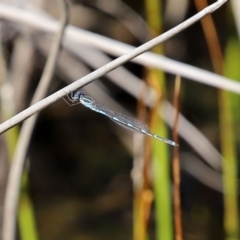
{"x": 175, "y": 144}
{"x": 172, "y": 143}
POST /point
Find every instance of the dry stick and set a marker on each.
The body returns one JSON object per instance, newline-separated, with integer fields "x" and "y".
{"x": 20, "y": 70}
{"x": 40, "y": 22}
{"x": 12, "y": 192}
{"x": 176, "y": 166}
{"x": 107, "y": 68}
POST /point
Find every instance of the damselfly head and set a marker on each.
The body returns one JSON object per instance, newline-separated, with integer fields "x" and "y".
{"x": 76, "y": 96}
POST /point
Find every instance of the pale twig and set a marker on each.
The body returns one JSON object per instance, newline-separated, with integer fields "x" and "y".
{"x": 75, "y": 35}
{"x": 109, "y": 67}
{"x": 200, "y": 171}
{"x": 5, "y": 109}
{"x": 20, "y": 69}
{"x": 13, "y": 185}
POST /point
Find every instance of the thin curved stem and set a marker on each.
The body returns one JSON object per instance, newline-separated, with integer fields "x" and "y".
{"x": 13, "y": 185}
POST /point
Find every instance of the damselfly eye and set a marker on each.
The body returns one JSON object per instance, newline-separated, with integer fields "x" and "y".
{"x": 76, "y": 96}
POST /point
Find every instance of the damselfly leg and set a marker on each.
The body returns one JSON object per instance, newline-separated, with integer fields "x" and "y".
{"x": 71, "y": 100}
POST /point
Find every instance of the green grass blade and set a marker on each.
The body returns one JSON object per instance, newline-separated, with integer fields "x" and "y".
{"x": 228, "y": 115}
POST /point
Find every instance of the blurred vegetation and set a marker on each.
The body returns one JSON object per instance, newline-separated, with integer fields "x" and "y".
{"x": 80, "y": 180}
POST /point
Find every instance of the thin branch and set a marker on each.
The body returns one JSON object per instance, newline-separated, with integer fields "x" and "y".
{"x": 12, "y": 192}
{"x": 74, "y": 35}
{"x": 109, "y": 67}
{"x": 200, "y": 171}
{"x": 20, "y": 70}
